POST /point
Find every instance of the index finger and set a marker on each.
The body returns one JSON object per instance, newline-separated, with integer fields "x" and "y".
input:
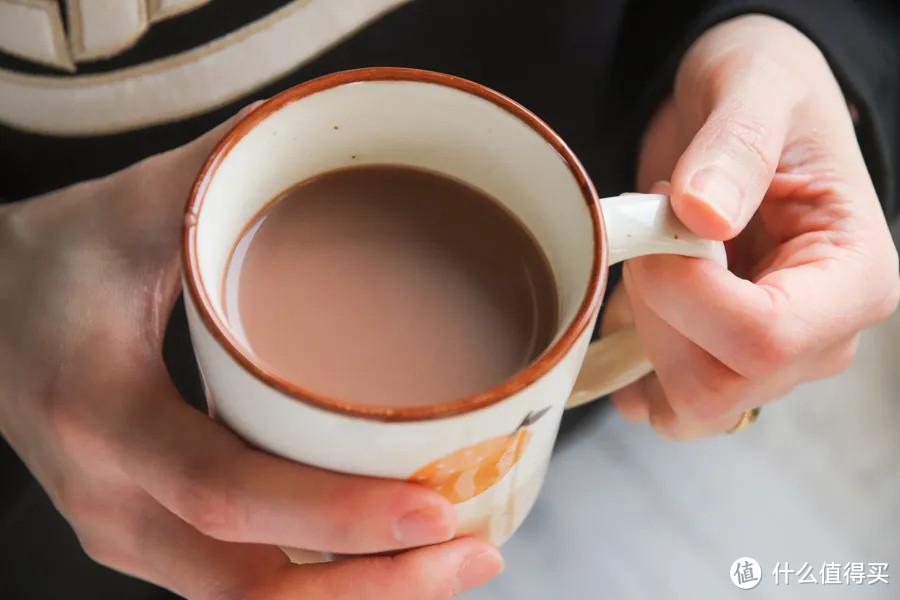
{"x": 227, "y": 490}
{"x": 823, "y": 295}
{"x": 176, "y": 556}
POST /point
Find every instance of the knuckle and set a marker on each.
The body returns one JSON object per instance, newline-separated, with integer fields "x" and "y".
{"x": 211, "y": 507}
{"x": 844, "y": 356}
{"x": 97, "y": 552}
{"x": 770, "y": 347}
{"x": 747, "y": 134}
{"x": 109, "y": 542}
{"x": 110, "y": 555}
{"x": 112, "y": 530}
{"x": 891, "y": 299}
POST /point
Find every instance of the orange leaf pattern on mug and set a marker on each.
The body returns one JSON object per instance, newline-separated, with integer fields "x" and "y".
{"x": 470, "y": 471}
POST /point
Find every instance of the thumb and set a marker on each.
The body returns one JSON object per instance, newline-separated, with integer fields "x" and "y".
{"x": 722, "y": 176}
{"x": 160, "y": 184}
{"x": 171, "y": 173}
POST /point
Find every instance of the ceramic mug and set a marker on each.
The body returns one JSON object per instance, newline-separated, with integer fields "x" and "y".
{"x": 487, "y": 453}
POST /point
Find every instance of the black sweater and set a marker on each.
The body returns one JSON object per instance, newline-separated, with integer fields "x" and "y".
{"x": 594, "y": 69}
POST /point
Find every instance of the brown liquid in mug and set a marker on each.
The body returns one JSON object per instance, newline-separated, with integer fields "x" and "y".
{"x": 389, "y": 285}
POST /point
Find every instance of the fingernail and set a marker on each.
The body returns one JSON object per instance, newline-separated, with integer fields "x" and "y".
{"x": 714, "y": 188}
{"x": 425, "y": 526}
{"x": 478, "y": 569}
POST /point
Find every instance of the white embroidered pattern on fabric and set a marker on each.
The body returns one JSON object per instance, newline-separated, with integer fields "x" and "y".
{"x": 162, "y": 90}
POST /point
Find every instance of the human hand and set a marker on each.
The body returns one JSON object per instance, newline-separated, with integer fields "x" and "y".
{"x": 88, "y": 277}
{"x": 758, "y": 143}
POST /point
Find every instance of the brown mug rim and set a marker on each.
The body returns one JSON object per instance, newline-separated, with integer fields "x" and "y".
{"x": 537, "y": 369}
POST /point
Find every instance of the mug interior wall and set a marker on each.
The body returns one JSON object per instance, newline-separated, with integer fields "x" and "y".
{"x": 405, "y": 123}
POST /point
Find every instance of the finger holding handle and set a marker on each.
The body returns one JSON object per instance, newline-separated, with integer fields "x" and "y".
{"x": 636, "y": 225}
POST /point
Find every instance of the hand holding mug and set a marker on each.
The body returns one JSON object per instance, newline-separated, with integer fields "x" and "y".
{"x": 150, "y": 486}
{"x": 760, "y": 149}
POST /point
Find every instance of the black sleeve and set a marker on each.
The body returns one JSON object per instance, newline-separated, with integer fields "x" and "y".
{"x": 860, "y": 39}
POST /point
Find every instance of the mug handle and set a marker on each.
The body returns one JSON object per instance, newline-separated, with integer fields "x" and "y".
{"x": 636, "y": 225}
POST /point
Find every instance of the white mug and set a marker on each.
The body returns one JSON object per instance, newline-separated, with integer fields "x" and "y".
{"x": 487, "y": 453}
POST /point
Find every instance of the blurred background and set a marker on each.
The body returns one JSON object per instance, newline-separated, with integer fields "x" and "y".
{"x": 814, "y": 481}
